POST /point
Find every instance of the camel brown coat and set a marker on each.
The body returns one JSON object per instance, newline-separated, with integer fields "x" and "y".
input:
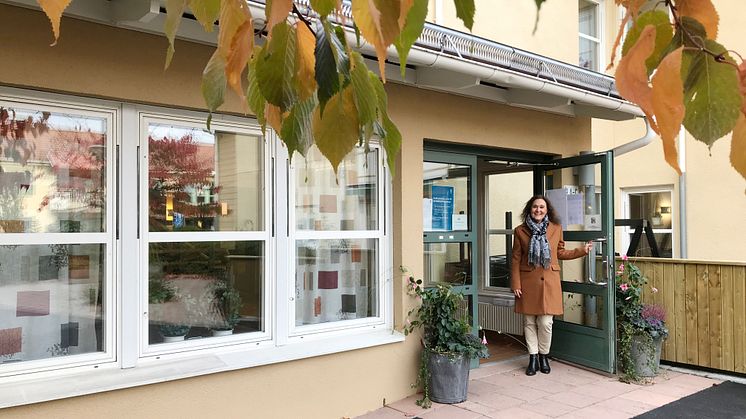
{"x": 541, "y": 288}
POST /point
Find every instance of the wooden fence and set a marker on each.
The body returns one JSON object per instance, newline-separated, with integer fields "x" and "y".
{"x": 705, "y": 304}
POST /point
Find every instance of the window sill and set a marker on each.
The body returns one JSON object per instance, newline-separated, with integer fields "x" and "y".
{"x": 63, "y": 384}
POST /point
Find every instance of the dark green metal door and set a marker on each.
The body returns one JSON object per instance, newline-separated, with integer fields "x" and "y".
{"x": 581, "y": 189}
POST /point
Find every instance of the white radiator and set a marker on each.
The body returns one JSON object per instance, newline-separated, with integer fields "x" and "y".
{"x": 500, "y": 318}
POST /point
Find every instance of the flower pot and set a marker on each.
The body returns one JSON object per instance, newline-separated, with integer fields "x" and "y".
{"x": 449, "y": 377}
{"x": 222, "y": 332}
{"x": 170, "y": 339}
{"x": 646, "y": 356}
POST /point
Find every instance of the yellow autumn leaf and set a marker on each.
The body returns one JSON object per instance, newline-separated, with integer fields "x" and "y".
{"x": 668, "y": 104}
{"x": 704, "y": 12}
{"x": 53, "y": 9}
{"x": 238, "y": 58}
{"x": 632, "y": 74}
{"x": 305, "y": 61}
{"x": 738, "y": 146}
{"x": 379, "y": 26}
{"x": 277, "y": 11}
{"x": 274, "y": 117}
{"x": 742, "y": 84}
{"x": 632, "y": 7}
{"x": 404, "y": 11}
{"x": 233, "y": 14}
{"x": 337, "y": 132}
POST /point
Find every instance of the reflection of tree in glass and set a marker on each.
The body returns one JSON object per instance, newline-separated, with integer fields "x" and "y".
{"x": 14, "y": 134}
{"x": 178, "y": 171}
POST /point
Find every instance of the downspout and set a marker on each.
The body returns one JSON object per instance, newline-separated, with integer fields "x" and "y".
{"x": 638, "y": 143}
{"x": 683, "y": 254}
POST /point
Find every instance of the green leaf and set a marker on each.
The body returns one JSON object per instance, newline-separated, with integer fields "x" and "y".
{"x": 213, "y": 83}
{"x": 297, "y": 128}
{"x": 324, "y": 7}
{"x": 256, "y": 101}
{"x": 465, "y": 11}
{"x": 366, "y": 100}
{"x": 174, "y": 10}
{"x": 206, "y": 12}
{"x": 711, "y": 95}
{"x": 663, "y": 36}
{"x": 341, "y": 52}
{"x": 336, "y": 132}
{"x": 327, "y": 76}
{"x": 690, "y": 32}
{"x": 411, "y": 31}
{"x": 390, "y": 137}
{"x": 539, "y": 3}
{"x": 275, "y": 67}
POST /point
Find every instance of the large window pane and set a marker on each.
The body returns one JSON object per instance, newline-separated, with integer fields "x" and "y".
{"x": 200, "y": 289}
{"x": 588, "y": 18}
{"x": 52, "y": 172}
{"x": 203, "y": 181}
{"x": 582, "y": 309}
{"x": 51, "y": 301}
{"x": 336, "y": 280}
{"x": 588, "y": 51}
{"x": 448, "y": 262}
{"x": 345, "y": 201}
{"x": 576, "y": 198}
{"x": 446, "y": 197}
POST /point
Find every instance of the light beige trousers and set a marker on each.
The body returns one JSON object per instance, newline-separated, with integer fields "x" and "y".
{"x": 538, "y": 332}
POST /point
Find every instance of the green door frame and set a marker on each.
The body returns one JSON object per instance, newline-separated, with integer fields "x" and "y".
{"x": 584, "y": 345}
{"x": 461, "y": 236}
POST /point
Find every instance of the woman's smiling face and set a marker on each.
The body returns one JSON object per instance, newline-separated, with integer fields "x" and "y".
{"x": 538, "y": 209}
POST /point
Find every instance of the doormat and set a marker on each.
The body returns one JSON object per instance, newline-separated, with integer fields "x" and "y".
{"x": 725, "y": 400}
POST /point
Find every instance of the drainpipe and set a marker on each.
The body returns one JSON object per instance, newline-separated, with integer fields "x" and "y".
{"x": 638, "y": 143}
{"x": 683, "y": 254}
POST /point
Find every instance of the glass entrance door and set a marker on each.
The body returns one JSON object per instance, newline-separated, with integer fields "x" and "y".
{"x": 581, "y": 190}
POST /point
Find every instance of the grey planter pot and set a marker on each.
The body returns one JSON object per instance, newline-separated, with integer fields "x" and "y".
{"x": 449, "y": 377}
{"x": 646, "y": 361}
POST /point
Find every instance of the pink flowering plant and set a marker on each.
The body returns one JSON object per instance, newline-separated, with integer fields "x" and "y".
{"x": 635, "y": 319}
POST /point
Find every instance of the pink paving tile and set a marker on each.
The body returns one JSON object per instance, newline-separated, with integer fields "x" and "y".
{"x": 549, "y": 408}
{"x": 524, "y": 393}
{"x": 482, "y": 387}
{"x": 627, "y": 406}
{"x": 648, "y": 397}
{"x": 409, "y": 406}
{"x": 574, "y": 399}
{"x": 497, "y": 401}
{"x": 550, "y": 385}
{"x": 693, "y": 381}
{"x": 516, "y": 413}
{"x": 383, "y": 413}
{"x": 594, "y": 412}
{"x": 451, "y": 412}
{"x": 671, "y": 389}
{"x": 476, "y": 407}
{"x": 606, "y": 389}
{"x": 502, "y": 380}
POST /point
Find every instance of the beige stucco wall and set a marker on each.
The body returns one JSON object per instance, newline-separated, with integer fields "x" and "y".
{"x": 511, "y": 22}
{"x": 97, "y": 61}
{"x": 716, "y": 196}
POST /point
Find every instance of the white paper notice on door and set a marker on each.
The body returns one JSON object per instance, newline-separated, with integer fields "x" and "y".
{"x": 460, "y": 222}
{"x": 575, "y": 209}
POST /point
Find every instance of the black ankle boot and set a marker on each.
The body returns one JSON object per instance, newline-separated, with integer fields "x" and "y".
{"x": 533, "y": 365}
{"x": 544, "y": 364}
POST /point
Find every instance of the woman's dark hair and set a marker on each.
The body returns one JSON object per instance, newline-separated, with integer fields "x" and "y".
{"x": 551, "y": 213}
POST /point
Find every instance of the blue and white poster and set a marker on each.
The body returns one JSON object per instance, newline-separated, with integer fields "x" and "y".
{"x": 442, "y": 205}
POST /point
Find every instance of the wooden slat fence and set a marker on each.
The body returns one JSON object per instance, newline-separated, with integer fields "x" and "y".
{"x": 705, "y": 306}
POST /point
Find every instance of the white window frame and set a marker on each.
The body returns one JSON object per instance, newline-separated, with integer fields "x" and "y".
{"x": 598, "y": 40}
{"x": 95, "y": 109}
{"x": 627, "y": 230}
{"x": 127, "y": 363}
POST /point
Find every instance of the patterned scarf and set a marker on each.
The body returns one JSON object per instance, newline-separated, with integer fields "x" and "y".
{"x": 538, "y": 248}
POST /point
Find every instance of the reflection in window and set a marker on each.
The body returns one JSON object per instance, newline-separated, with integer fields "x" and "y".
{"x": 345, "y": 201}
{"x": 52, "y": 172}
{"x": 653, "y": 208}
{"x": 582, "y": 309}
{"x": 448, "y": 262}
{"x": 201, "y": 289}
{"x": 202, "y": 181}
{"x": 589, "y": 34}
{"x": 336, "y": 280}
{"x": 51, "y": 301}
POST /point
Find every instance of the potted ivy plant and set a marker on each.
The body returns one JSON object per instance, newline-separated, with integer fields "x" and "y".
{"x": 226, "y": 304}
{"x": 448, "y": 343}
{"x": 641, "y": 327}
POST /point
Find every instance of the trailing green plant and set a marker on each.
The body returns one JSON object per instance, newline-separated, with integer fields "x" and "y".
{"x": 636, "y": 320}
{"x": 446, "y": 330}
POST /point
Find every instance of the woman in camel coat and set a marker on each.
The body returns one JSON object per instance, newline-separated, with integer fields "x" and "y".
{"x": 535, "y": 276}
